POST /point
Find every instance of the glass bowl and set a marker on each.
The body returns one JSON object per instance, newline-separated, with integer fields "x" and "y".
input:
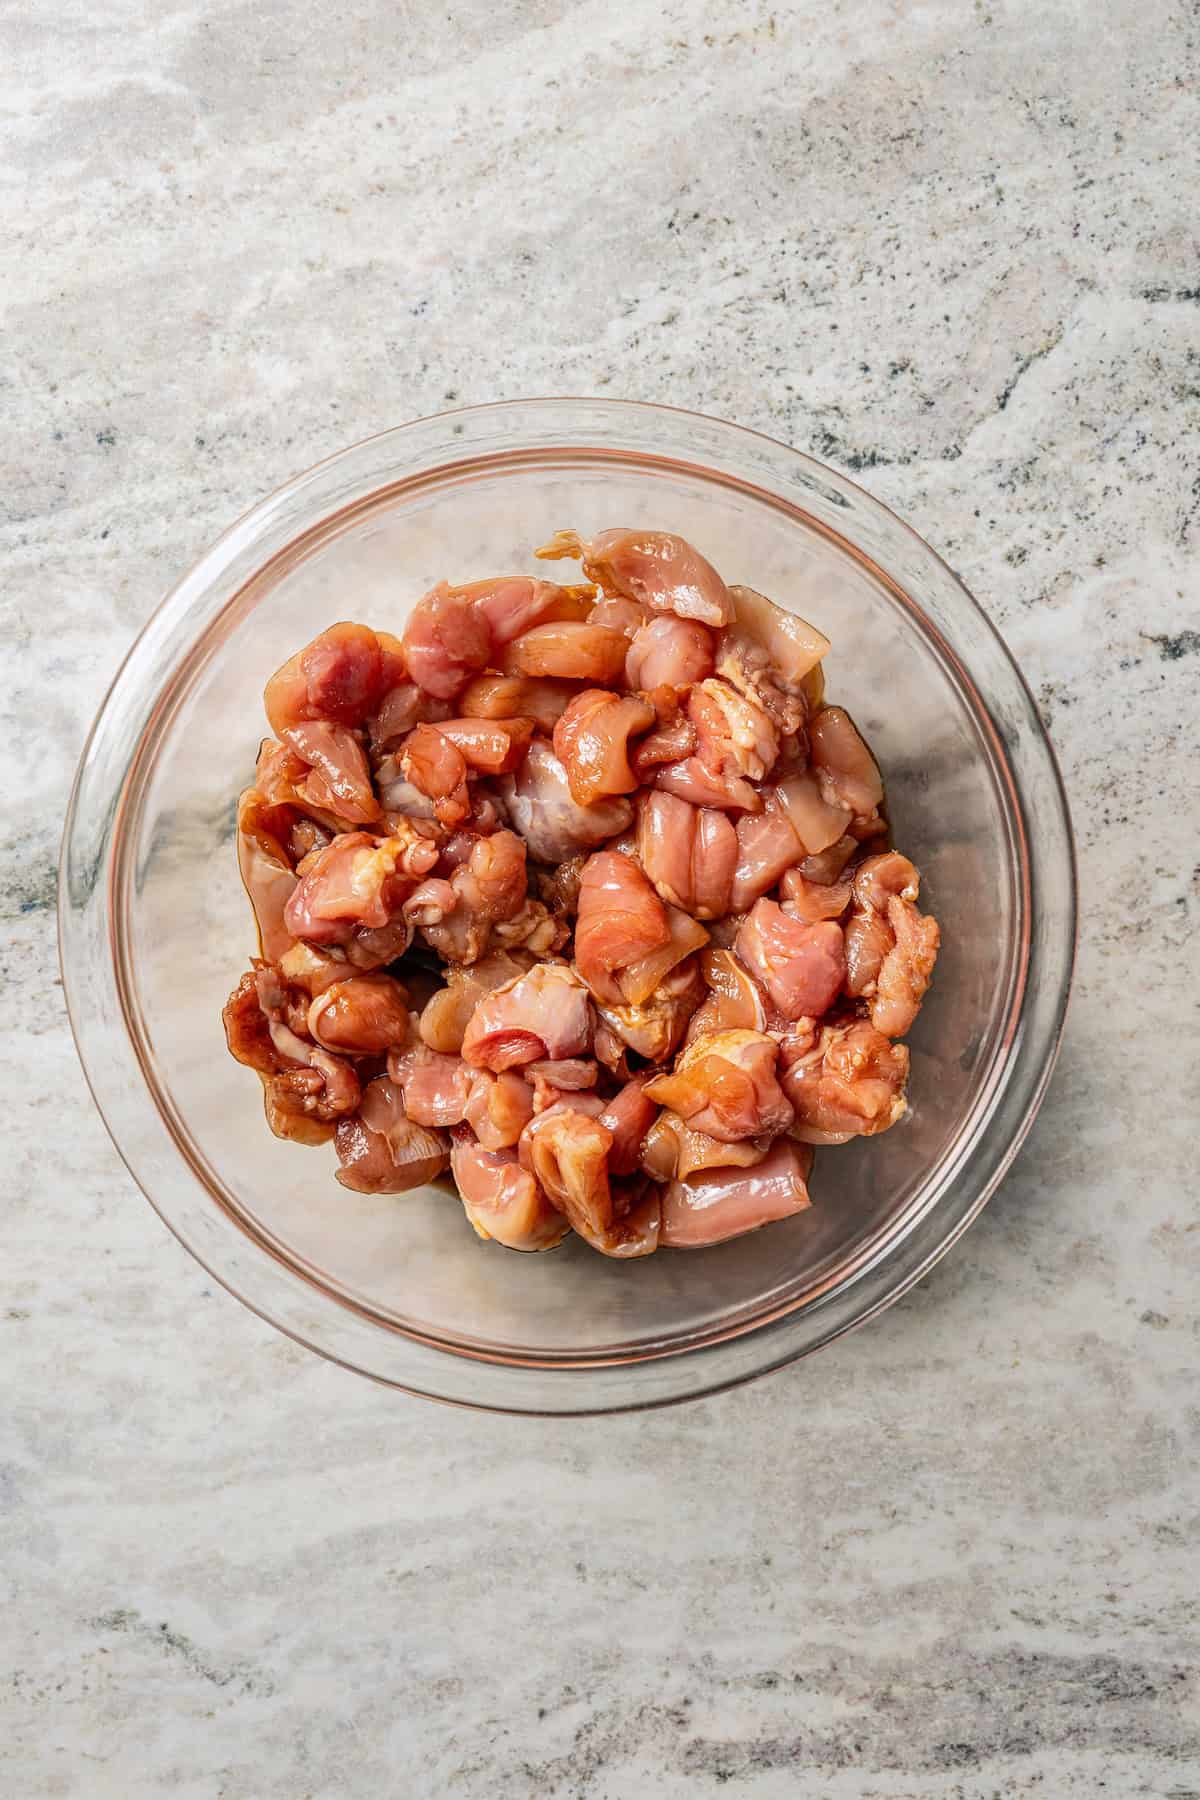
{"x": 155, "y": 928}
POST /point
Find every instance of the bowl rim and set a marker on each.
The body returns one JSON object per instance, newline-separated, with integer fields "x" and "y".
{"x": 764, "y": 1328}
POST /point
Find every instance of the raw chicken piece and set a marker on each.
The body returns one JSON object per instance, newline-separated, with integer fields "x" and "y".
{"x": 338, "y": 779}
{"x": 337, "y": 677}
{"x": 767, "y": 845}
{"x": 793, "y": 647}
{"x": 282, "y": 780}
{"x": 499, "y": 1107}
{"x": 654, "y": 1028}
{"x": 883, "y": 878}
{"x": 591, "y": 741}
{"x": 569, "y": 1074}
{"x": 436, "y": 768}
{"x": 492, "y": 879}
{"x": 247, "y": 1028}
{"x": 813, "y": 900}
{"x": 357, "y": 881}
{"x": 724, "y": 1203}
{"x": 305, "y": 1089}
{"x": 828, "y": 865}
{"x": 489, "y": 746}
{"x": 816, "y": 822}
{"x": 360, "y": 1016}
{"x": 294, "y": 1127}
{"x": 399, "y": 798}
{"x": 844, "y": 1081}
{"x": 325, "y": 1088}
{"x": 724, "y": 1085}
{"x": 621, "y": 919}
{"x": 690, "y": 780}
{"x": 534, "y": 928}
{"x": 773, "y": 656}
{"x": 518, "y": 697}
{"x": 374, "y": 947}
{"x": 625, "y": 616}
{"x": 501, "y": 1199}
{"x": 382, "y": 1151}
{"x": 846, "y": 770}
{"x": 545, "y": 1013}
{"x": 657, "y": 569}
{"x": 435, "y": 1089}
{"x": 513, "y": 604}
{"x": 869, "y": 937}
{"x": 734, "y": 736}
{"x": 668, "y": 652}
{"x": 735, "y": 1001}
{"x": 640, "y": 981}
{"x": 891, "y": 947}
{"x": 266, "y": 871}
{"x": 629, "y": 1115}
{"x": 906, "y": 970}
{"x": 672, "y": 741}
{"x": 569, "y": 651}
{"x": 306, "y": 1104}
{"x": 286, "y": 1010}
{"x": 637, "y": 1218}
{"x": 546, "y": 1095}
{"x": 444, "y": 1020}
{"x": 280, "y": 1004}
{"x": 538, "y": 802}
{"x": 402, "y": 707}
{"x": 430, "y": 903}
{"x": 489, "y": 887}
{"x": 568, "y": 1152}
{"x": 688, "y": 852}
{"x": 446, "y": 640}
{"x": 279, "y": 774}
{"x": 672, "y": 1150}
{"x": 801, "y": 966}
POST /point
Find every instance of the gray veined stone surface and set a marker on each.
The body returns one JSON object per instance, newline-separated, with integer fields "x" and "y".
{"x": 950, "y": 247}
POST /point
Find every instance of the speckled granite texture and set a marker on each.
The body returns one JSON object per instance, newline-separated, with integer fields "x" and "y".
{"x": 949, "y": 246}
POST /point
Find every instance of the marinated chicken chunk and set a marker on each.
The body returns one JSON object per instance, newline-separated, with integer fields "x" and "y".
{"x": 843, "y": 1081}
{"x": 591, "y": 741}
{"x": 660, "y": 571}
{"x": 715, "y": 1204}
{"x": 542, "y": 810}
{"x": 542, "y": 1014}
{"x": 724, "y": 1085}
{"x": 502, "y": 1199}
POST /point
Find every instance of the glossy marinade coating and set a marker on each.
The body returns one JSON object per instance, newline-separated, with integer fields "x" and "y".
{"x": 583, "y": 894}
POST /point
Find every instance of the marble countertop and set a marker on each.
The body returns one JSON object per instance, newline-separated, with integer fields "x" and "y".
{"x": 951, "y": 248}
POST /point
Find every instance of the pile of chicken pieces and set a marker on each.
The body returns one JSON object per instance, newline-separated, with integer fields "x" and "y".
{"x": 583, "y": 893}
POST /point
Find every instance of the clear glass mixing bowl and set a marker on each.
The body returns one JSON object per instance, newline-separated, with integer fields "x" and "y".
{"x": 155, "y": 928}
